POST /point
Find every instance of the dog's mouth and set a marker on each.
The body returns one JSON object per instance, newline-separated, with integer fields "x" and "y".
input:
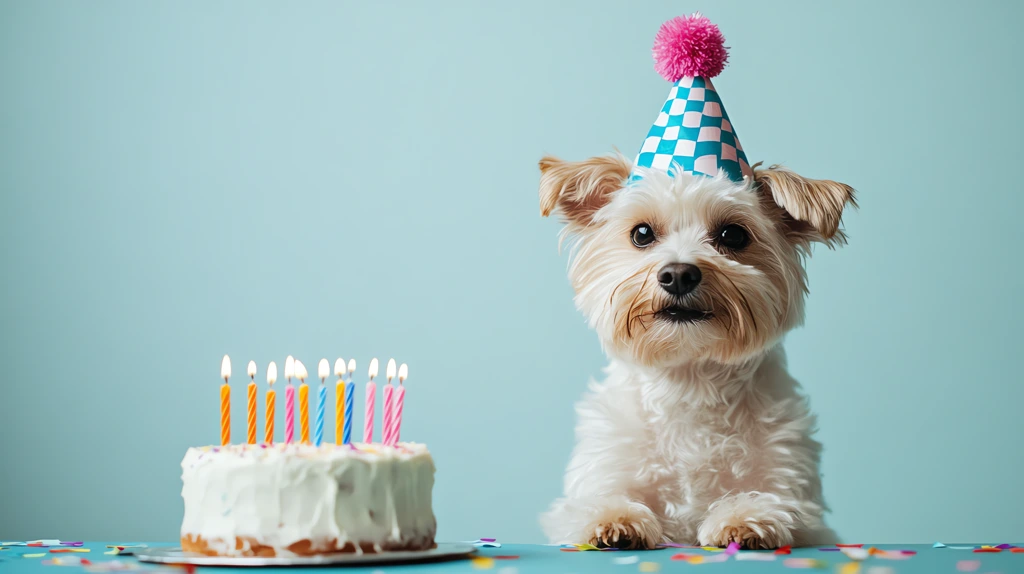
{"x": 680, "y": 314}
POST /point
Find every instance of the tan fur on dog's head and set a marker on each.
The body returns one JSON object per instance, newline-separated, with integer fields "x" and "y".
{"x": 746, "y": 298}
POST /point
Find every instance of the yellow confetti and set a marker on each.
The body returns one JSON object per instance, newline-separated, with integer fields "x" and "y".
{"x": 649, "y": 567}
{"x": 483, "y": 563}
{"x": 849, "y": 568}
{"x": 40, "y": 555}
{"x": 585, "y": 547}
{"x": 712, "y": 548}
{"x": 695, "y": 559}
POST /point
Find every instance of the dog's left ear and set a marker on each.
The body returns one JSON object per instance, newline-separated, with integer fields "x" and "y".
{"x": 578, "y": 189}
{"x": 813, "y": 207}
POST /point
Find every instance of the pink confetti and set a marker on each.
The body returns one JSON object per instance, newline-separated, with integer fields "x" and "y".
{"x": 733, "y": 548}
{"x": 968, "y": 565}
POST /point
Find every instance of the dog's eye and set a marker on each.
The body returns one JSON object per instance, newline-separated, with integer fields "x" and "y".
{"x": 733, "y": 237}
{"x": 642, "y": 235}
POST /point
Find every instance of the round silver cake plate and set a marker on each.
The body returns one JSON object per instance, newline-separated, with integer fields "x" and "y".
{"x": 175, "y": 555}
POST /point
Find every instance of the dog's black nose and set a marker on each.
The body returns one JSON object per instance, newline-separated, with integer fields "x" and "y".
{"x": 679, "y": 278}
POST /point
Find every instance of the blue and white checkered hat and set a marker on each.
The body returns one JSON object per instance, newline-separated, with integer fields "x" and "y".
{"x": 693, "y": 132}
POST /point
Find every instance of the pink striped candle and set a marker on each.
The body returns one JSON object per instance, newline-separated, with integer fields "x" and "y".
{"x": 396, "y": 415}
{"x": 389, "y": 405}
{"x": 371, "y": 404}
{"x": 289, "y": 413}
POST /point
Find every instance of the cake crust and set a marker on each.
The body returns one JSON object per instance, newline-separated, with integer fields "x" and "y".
{"x": 251, "y": 548}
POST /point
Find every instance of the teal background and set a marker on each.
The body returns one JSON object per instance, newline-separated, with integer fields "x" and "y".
{"x": 182, "y": 180}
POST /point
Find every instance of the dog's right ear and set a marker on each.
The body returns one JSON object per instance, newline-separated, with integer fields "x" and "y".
{"x": 578, "y": 189}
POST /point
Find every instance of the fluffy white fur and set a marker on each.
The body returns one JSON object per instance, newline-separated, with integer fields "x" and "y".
{"x": 698, "y": 433}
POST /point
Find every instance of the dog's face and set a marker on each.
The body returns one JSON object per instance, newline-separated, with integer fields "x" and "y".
{"x": 669, "y": 270}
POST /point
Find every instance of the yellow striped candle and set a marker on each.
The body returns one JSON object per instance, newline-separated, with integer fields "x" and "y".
{"x": 271, "y": 402}
{"x": 339, "y": 401}
{"x": 250, "y": 410}
{"x": 225, "y": 402}
{"x": 301, "y": 374}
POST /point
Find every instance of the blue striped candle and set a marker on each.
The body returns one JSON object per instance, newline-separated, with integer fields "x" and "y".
{"x": 318, "y": 432}
{"x": 350, "y": 393}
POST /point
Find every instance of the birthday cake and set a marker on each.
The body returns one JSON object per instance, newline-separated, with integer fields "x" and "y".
{"x": 299, "y": 499}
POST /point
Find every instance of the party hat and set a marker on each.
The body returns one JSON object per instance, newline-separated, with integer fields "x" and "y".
{"x": 692, "y": 133}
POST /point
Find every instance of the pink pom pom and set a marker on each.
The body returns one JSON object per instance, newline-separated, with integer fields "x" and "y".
{"x": 689, "y": 47}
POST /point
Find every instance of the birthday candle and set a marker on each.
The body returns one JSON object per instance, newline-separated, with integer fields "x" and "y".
{"x": 301, "y": 373}
{"x": 322, "y": 369}
{"x": 271, "y": 402}
{"x": 396, "y": 420}
{"x": 350, "y": 397}
{"x": 289, "y": 400}
{"x": 389, "y": 404}
{"x": 371, "y": 398}
{"x": 225, "y": 402}
{"x": 250, "y": 410}
{"x": 339, "y": 402}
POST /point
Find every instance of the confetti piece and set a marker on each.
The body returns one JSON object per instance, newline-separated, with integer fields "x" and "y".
{"x": 568, "y": 549}
{"x": 711, "y": 548}
{"x": 855, "y": 553}
{"x": 1017, "y": 550}
{"x": 71, "y": 543}
{"x": 960, "y": 547}
{"x": 804, "y": 563}
{"x": 968, "y": 565}
{"x": 849, "y": 568}
{"x": 586, "y": 547}
{"x": 908, "y": 552}
{"x": 482, "y": 563}
{"x": 40, "y": 555}
{"x": 1005, "y": 546}
{"x": 681, "y": 556}
{"x": 787, "y": 549}
{"x": 60, "y": 550}
{"x": 756, "y": 556}
{"x": 988, "y": 550}
{"x": 830, "y": 549}
{"x": 485, "y": 543}
{"x": 733, "y": 548}
{"x": 628, "y": 559}
{"x": 715, "y": 558}
{"x": 488, "y": 540}
{"x": 506, "y": 557}
{"x": 695, "y": 560}
{"x": 938, "y": 545}
{"x": 649, "y": 567}
{"x": 849, "y": 546}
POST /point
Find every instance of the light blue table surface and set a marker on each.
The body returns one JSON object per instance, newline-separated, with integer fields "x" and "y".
{"x": 551, "y": 560}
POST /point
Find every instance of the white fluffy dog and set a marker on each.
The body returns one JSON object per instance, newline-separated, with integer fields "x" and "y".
{"x": 698, "y": 433}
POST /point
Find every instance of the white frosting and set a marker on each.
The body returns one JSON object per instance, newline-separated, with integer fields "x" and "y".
{"x": 280, "y": 495}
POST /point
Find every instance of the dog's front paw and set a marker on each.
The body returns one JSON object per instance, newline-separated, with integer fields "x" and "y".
{"x": 630, "y": 527}
{"x": 752, "y": 520}
{"x": 622, "y": 534}
{"x": 613, "y": 522}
